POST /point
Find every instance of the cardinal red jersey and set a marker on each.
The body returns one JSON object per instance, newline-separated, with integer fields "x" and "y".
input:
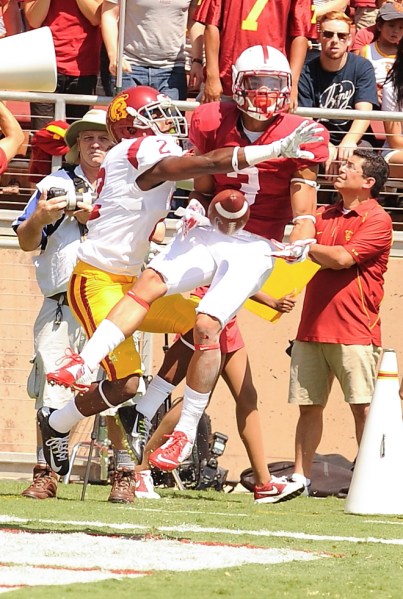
{"x": 246, "y": 23}
{"x": 267, "y": 185}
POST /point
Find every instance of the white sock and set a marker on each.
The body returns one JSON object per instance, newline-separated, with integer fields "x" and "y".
{"x": 104, "y": 340}
{"x": 157, "y": 391}
{"x": 64, "y": 419}
{"x": 194, "y": 404}
{"x": 300, "y": 478}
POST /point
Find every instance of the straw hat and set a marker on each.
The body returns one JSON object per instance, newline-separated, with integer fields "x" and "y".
{"x": 93, "y": 120}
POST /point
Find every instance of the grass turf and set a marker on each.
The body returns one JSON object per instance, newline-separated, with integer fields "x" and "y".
{"x": 357, "y": 565}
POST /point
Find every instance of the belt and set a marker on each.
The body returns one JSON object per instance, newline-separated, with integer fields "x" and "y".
{"x": 60, "y": 298}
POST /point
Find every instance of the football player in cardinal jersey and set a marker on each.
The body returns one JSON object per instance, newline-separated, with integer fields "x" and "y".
{"x": 135, "y": 182}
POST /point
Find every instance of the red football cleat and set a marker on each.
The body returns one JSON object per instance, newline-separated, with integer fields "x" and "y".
{"x": 174, "y": 451}
{"x": 70, "y": 374}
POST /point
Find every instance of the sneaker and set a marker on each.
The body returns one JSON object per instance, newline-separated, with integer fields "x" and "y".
{"x": 174, "y": 451}
{"x": 145, "y": 485}
{"x": 137, "y": 427}
{"x": 55, "y": 444}
{"x": 44, "y": 484}
{"x": 123, "y": 486}
{"x": 139, "y": 436}
{"x": 278, "y": 489}
{"x": 72, "y": 375}
{"x": 300, "y": 478}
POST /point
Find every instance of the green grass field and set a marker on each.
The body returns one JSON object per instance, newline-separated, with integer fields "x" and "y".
{"x": 357, "y": 556}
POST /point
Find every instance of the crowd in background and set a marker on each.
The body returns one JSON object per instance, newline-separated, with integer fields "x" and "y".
{"x": 342, "y": 55}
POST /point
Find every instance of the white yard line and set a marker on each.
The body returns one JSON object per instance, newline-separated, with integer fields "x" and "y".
{"x": 185, "y": 528}
{"x": 37, "y": 558}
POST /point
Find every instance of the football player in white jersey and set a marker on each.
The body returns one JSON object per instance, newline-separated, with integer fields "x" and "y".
{"x": 137, "y": 174}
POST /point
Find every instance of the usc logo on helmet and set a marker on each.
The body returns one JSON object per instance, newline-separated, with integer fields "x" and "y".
{"x": 118, "y": 108}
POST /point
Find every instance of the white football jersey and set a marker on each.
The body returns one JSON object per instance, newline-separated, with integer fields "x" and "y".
{"x": 124, "y": 216}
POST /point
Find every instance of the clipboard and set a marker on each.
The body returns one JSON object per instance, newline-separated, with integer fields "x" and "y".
{"x": 285, "y": 279}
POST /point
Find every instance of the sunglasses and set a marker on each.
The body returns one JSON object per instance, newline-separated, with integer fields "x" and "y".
{"x": 330, "y": 34}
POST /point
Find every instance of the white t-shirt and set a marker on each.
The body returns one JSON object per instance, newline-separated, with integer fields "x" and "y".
{"x": 124, "y": 216}
{"x": 155, "y": 32}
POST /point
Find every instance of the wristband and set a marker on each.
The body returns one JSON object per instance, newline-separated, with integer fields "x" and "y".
{"x": 256, "y": 154}
{"x": 234, "y": 160}
{"x": 198, "y": 60}
{"x": 304, "y": 216}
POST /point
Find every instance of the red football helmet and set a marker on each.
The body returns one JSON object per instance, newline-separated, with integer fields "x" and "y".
{"x": 143, "y": 110}
{"x": 261, "y": 82}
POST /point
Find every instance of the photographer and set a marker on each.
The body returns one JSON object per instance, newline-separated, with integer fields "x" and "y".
{"x": 54, "y": 222}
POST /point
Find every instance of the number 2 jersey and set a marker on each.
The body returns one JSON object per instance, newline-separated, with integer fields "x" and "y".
{"x": 124, "y": 217}
{"x": 267, "y": 185}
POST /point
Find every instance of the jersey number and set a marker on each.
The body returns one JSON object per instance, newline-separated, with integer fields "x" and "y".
{"x": 251, "y": 21}
{"x": 249, "y": 182}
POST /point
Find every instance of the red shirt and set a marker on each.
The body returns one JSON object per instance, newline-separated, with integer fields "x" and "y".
{"x": 266, "y": 186}
{"x": 342, "y": 306}
{"x": 364, "y": 37}
{"x": 361, "y": 3}
{"x": 241, "y": 26}
{"x": 3, "y": 161}
{"x": 77, "y": 42}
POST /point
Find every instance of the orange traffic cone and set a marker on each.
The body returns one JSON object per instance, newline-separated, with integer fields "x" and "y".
{"x": 377, "y": 483}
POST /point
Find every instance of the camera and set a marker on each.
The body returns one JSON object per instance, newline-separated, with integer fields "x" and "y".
{"x": 55, "y": 192}
{"x": 212, "y": 476}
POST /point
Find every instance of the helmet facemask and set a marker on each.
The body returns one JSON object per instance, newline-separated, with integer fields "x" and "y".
{"x": 262, "y": 93}
{"x": 162, "y": 117}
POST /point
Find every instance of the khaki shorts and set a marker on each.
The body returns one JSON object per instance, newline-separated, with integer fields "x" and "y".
{"x": 314, "y": 366}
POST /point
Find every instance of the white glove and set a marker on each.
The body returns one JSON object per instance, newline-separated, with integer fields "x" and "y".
{"x": 288, "y": 147}
{"x": 192, "y": 215}
{"x": 293, "y": 252}
{"x": 305, "y": 133}
{"x": 153, "y": 250}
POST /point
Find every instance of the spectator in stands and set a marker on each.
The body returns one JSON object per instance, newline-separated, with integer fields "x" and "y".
{"x": 382, "y": 52}
{"x": 337, "y": 79}
{"x": 320, "y": 8}
{"x": 392, "y": 100}
{"x": 47, "y": 224}
{"x": 11, "y": 16}
{"x": 45, "y": 143}
{"x": 11, "y": 137}
{"x": 365, "y": 13}
{"x": 339, "y": 335}
{"x": 154, "y": 44}
{"x": 231, "y": 27}
{"x": 369, "y": 34}
{"x": 77, "y": 38}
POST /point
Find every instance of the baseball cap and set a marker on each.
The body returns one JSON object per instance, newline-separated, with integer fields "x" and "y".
{"x": 391, "y": 11}
{"x": 93, "y": 120}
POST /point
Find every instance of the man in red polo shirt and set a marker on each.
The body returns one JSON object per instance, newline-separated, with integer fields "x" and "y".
{"x": 339, "y": 333}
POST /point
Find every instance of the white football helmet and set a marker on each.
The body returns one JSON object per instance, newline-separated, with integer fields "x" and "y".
{"x": 261, "y": 82}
